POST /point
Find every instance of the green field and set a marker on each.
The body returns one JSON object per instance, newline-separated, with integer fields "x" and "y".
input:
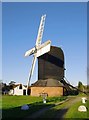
{"x": 11, "y": 105}
{"x": 74, "y": 113}
{"x": 71, "y": 113}
{"x": 16, "y": 101}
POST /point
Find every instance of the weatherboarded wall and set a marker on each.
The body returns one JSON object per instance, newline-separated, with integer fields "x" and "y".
{"x": 50, "y": 91}
{"x": 51, "y": 64}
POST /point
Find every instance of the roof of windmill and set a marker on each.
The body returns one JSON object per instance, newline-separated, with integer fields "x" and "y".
{"x": 47, "y": 83}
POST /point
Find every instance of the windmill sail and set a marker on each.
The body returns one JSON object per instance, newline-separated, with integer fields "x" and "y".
{"x": 40, "y": 31}
{"x": 32, "y": 69}
{"x": 29, "y": 52}
{"x": 39, "y": 48}
{"x": 43, "y": 48}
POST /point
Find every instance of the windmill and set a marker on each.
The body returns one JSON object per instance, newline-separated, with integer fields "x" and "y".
{"x": 39, "y": 48}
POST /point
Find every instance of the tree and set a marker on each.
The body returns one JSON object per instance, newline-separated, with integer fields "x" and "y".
{"x": 80, "y": 86}
{"x": 11, "y": 84}
{"x": 5, "y": 88}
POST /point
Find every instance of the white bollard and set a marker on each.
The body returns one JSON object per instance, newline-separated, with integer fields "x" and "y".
{"x": 82, "y": 108}
{"x": 84, "y": 100}
{"x": 44, "y": 100}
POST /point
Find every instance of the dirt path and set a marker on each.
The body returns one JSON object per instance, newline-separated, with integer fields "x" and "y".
{"x": 60, "y": 113}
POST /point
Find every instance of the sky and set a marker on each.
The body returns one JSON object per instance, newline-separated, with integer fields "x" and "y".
{"x": 0, "y": 41}
{"x": 44, "y": 0}
{"x": 88, "y": 43}
{"x": 65, "y": 26}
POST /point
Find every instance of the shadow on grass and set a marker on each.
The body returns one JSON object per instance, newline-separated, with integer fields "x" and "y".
{"x": 17, "y": 113}
{"x": 60, "y": 113}
{"x": 54, "y": 114}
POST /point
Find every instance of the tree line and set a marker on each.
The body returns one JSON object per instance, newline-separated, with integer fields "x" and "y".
{"x": 4, "y": 88}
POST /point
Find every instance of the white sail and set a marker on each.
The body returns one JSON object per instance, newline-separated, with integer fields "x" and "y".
{"x": 29, "y": 52}
{"x": 39, "y": 48}
{"x": 40, "y": 31}
{"x": 43, "y": 48}
{"x": 32, "y": 69}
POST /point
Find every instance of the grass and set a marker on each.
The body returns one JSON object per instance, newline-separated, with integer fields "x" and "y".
{"x": 82, "y": 94}
{"x": 16, "y": 101}
{"x": 51, "y": 113}
{"x": 52, "y": 100}
{"x": 74, "y": 113}
{"x": 11, "y": 105}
